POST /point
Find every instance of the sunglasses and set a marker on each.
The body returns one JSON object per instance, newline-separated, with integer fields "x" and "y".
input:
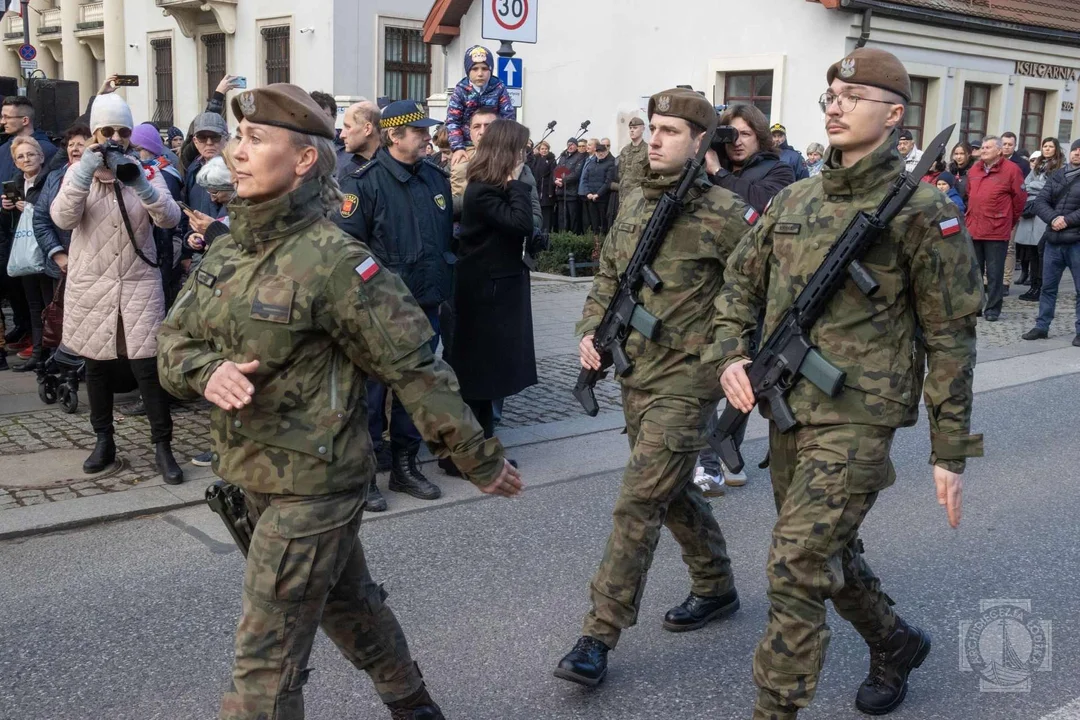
{"x": 108, "y": 132}
{"x": 208, "y": 137}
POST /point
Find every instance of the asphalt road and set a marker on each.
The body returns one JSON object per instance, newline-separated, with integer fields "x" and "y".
{"x": 134, "y": 620}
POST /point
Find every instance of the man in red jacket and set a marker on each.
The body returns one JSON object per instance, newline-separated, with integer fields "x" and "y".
{"x": 996, "y": 199}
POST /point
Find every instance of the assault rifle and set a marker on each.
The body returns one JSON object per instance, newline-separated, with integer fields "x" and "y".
{"x": 625, "y": 311}
{"x": 788, "y": 354}
{"x": 228, "y": 502}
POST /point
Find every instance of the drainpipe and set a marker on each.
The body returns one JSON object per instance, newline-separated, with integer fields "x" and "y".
{"x": 867, "y": 16}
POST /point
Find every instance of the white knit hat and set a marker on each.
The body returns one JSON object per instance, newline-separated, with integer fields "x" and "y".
{"x": 110, "y": 111}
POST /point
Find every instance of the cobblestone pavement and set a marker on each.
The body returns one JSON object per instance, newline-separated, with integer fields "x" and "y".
{"x": 556, "y": 307}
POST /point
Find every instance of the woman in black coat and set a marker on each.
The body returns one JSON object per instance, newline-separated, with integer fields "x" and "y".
{"x": 492, "y": 348}
{"x": 542, "y": 165}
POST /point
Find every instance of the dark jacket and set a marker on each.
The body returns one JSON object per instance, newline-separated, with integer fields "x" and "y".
{"x": 7, "y": 163}
{"x": 574, "y": 164}
{"x": 597, "y": 176}
{"x": 405, "y": 215}
{"x": 1022, "y": 162}
{"x": 995, "y": 200}
{"x": 763, "y": 175}
{"x": 48, "y": 236}
{"x": 348, "y": 163}
{"x": 188, "y": 152}
{"x": 961, "y": 175}
{"x": 543, "y": 169}
{"x": 492, "y": 352}
{"x": 1061, "y": 196}
{"x": 794, "y": 159}
{"x": 9, "y": 219}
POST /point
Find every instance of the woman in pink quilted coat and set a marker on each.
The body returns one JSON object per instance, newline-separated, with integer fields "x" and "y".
{"x": 113, "y": 302}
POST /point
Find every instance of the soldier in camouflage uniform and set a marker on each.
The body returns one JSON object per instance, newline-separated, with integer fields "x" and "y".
{"x": 280, "y": 327}
{"x": 667, "y": 396}
{"x": 633, "y": 160}
{"x": 828, "y": 471}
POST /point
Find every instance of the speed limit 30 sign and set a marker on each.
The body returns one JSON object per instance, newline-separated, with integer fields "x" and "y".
{"x": 512, "y": 20}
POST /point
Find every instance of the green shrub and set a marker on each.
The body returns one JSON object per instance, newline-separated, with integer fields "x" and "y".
{"x": 562, "y": 244}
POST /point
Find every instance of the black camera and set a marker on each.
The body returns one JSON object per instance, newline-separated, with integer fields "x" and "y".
{"x": 126, "y": 169}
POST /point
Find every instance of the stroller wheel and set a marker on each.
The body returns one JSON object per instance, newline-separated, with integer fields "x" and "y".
{"x": 69, "y": 399}
{"x": 47, "y": 390}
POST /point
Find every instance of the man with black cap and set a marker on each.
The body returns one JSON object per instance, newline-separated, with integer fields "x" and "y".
{"x": 669, "y": 394}
{"x": 567, "y": 175}
{"x": 399, "y": 204}
{"x": 789, "y": 155}
{"x": 905, "y": 144}
{"x": 827, "y": 471}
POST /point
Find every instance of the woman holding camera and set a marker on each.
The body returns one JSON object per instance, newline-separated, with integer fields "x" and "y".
{"x": 27, "y": 184}
{"x": 113, "y": 302}
{"x": 492, "y": 348}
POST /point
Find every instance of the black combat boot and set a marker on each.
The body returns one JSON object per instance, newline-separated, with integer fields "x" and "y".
{"x": 586, "y": 664}
{"x": 406, "y": 477}
{"x": 418, "y": 706}
{"x": 3, "y": 360}
{"x": 103, "y": 456}
{"x": 698, "y": 611}
{"x": 375, "y": 500}
{"x": 1033, "y": 293}
{"x": 166, "y": 464}
{"x": 891, "y": 661}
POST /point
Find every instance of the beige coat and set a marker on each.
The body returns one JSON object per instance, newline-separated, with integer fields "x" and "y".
{"x": 108, "y": 283}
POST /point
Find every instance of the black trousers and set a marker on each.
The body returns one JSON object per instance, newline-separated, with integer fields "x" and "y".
{"x": 38, "y": 289}
{"x": 596, "y": 214}
{"x": 99, "y": 387}
{"x": 570, "y": 218}
{"x": 547, "y": 213}
{"x": 485, "y": 415}
{"x": 990, "y": 254}
{"x": 12, "y": 289}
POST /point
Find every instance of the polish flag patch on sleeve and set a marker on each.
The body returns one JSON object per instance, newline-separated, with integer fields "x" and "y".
{"x": 949, "y": 227}
{"x": 751, "y": 216}
{"x": 367, "y": 269}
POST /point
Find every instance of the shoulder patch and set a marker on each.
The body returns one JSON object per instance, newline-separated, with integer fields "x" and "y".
{"x": 349, "y": 204}
{"x": 949, "y": 227}
{"x": 367, "y": 269}
{"x": 751, "y": 216}
{"x": 360, "y": 171}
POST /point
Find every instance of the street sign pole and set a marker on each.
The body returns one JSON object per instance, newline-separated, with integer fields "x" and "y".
{"x": 25, "y": 6}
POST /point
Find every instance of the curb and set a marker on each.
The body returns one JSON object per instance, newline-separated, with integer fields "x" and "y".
{"x": 144, "y": 500}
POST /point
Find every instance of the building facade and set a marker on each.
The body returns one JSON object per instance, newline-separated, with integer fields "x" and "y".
{"x": 180, "y": 49}
{"x": 984, "y": 66}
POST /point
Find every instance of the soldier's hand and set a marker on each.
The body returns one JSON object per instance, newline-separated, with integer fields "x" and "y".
{"x": 229, "y": 387}
{"x": 457, "y": 157}
{"x": 950, "y": 492}
{"x": 508, "y": 484}
{"x": 590, "y": 359}
{"x": 737, "y": 388}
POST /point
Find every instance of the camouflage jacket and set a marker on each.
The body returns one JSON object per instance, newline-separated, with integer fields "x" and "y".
{"x": 633, "y": 168}
{"x": 691, "y": 264}
{"x": 925, "y": 264}
{"x": 289, "y": 288}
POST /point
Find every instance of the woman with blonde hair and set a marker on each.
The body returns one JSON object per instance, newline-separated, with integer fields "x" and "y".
{"x": 38, "y": 287}
{"x": 279, "y": 329}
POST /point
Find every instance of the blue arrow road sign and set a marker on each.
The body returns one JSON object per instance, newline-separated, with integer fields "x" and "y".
{"x": 510, "y": 70}
{"x": 27, "y": 52}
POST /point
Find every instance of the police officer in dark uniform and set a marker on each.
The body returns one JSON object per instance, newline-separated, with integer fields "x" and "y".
{"x": 399, "y": 204}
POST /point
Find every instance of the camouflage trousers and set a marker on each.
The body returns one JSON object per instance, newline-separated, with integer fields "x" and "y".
{"x": 303, "y": 574}
{"x": 825, "y": 480}
{"x": 657, "y": 489}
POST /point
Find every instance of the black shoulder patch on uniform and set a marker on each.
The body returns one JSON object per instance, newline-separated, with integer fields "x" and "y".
{"x": 360, "y": 171}
{"x": 435, "y": 165}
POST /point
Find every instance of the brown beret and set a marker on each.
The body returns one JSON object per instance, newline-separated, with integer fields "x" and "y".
{"x": 285, "y": 106}
{"x": 683, "y": 103}
{"x": 873, "y": 67}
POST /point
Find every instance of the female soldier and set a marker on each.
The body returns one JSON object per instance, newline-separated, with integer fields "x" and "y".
{"x": 279, "y": 328}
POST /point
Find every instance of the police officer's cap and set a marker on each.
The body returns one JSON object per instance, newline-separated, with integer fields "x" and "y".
{"x": 406, "y": 113}
{"x": 286, "y": 106}
{"x": 873, "y": 67}
{"x": 683, "y": 103}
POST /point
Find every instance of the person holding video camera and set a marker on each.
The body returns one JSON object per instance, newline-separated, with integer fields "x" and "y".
{"x": 113, "y": 301}
{"x": 751, "y": 168}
